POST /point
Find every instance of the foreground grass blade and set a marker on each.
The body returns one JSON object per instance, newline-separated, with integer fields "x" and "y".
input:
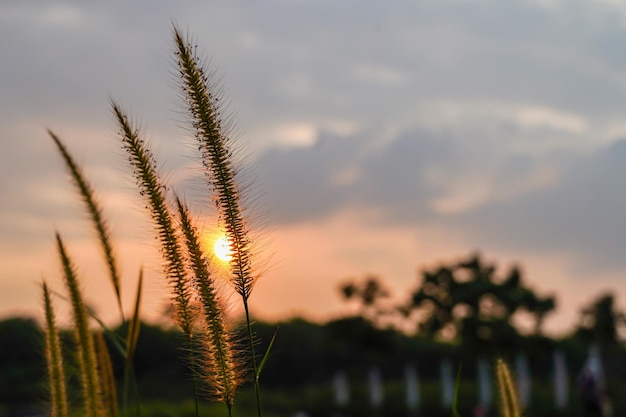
{"x": 95, "y": 213}
{"x": 267, "y": 354}
{"x": 131, "y": 344}
{"x": 457, "y": 388}
{"x": 133, "y": 326}
{"x": 117, "y": 340}
{"x": 86, "y": 353}
{"x": 54, "y": 360}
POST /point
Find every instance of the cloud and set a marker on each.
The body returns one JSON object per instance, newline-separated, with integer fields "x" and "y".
{"x": 567, "y": 202}
{"x": 416, "y": 176}
{"x": 580, "y": 216}
{"x": 499, "y": 120}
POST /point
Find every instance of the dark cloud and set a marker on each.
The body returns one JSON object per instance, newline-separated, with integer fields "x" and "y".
{"x": 581, "y": 215}
{"x": 298, "y": 181}
{"x": 403, "y": 178}
{"x": 305, "y": 183}
{"x": 578, "y": 211}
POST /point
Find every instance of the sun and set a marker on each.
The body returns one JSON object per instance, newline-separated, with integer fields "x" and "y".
{"x": 221, "y": 248}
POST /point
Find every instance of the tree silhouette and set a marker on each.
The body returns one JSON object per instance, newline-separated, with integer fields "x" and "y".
{"x": 468, "y": 301}
{"x": 369, "y": 293}
{"x": 601, "y": 320}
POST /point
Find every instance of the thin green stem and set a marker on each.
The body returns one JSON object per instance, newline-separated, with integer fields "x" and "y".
{"x": 192, "y": 359}
{"x": 130, "y": 383}
{"x": 257, "y": 388}
{"x": 126, "y": 388}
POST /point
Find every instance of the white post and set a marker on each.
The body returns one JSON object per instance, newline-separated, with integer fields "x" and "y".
{"x": 484, "y": 382}
{"x": 594, "y": 364}
{"x": 342, "y": 392}
{"x": 447, "y": 384}
{"x": 376, "y": 387}
{"x": 560, "y": 380}
{"x": 412, "y": 387}
{"x": 523, "y": 379}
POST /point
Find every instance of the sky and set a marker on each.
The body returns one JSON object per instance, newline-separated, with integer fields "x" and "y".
{"x": 382, "y": 138}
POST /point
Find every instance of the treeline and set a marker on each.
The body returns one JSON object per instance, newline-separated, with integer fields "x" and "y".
{"x": 303, "y": 361}
{"x": 458, "y": 312}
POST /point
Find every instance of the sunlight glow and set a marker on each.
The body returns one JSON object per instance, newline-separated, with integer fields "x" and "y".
{"x": 221, "y": 248}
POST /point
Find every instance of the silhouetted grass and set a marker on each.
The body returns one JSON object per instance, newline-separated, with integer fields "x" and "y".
{"x": 213, "y": 352}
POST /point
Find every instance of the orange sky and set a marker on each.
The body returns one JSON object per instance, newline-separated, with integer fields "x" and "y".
{"x": 305, "y": 264}
{"x": 383, "y": 140}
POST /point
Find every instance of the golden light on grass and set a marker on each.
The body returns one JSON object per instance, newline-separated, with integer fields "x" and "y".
{"x": 221, "y": 249}
{"x": 186, "y": 255}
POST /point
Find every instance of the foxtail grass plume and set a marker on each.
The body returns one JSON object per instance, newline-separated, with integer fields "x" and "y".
{"x": 54, "y": 360}
{"x": 202, "y": 98}
{"x": 509, "y": 402}
{"x": 186, "y": 266}
{"x": 210, "y": 129}
{"x": 153, "y": 190}
{"x": 84, "y": 340}
{"x": 95, "y": 213}
{"x": 107, "y": 380}
{"x": 219, "y": 369}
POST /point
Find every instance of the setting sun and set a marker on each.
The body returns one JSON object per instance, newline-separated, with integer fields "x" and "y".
{"x": 221, "y": 248}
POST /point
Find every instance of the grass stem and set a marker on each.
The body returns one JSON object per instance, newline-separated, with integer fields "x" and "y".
{"x": 257, "y": 388}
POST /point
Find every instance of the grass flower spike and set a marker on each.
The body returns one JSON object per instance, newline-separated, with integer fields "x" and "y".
{"x": 213, "y": 352}
{"x": 84, "y": 339}
{"x": 200, "y": 94}
{"x": 54, "y": 360}
{"x": 152, "y": 189}
{"x": 219, "y": 368}
{"x": 95, "y": 212}
{"x": 209, "y": 128}
{"x": 107, "y": 379}
{"x": 508, "y": 393}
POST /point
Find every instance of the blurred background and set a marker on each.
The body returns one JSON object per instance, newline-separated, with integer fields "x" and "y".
{"x": 438, "y": 183}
